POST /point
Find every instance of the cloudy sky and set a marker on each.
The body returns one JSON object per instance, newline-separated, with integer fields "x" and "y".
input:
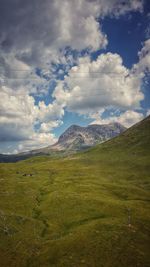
{"x": 66, "y": 62}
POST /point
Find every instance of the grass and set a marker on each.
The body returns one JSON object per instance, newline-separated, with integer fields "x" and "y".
{"x": 74, "y": 211}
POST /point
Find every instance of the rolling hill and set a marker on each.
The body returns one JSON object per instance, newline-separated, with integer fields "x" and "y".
{"x": 89, "y": 209}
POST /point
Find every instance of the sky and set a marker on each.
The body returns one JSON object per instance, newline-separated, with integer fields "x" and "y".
{"x": 71, "y": 62}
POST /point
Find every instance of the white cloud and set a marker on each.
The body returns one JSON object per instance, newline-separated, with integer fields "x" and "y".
{"x": 50, "y": 112}
{"x": 17, "y": 115}
{"x": 47, "y": 127}
{"x": 148, "y": 112}
{"x": 102, "y": 83}
{"x": 39, "y": 29}
{"x": 38, "y": 140}
{"x": 144, "y": 59}
{"x": 127, "y": 118}
{"x": 117, "y": 7}
{"x": 21, "y": 120}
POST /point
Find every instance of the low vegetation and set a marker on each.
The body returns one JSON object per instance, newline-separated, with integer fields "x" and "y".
{"x": 90, "y": 209}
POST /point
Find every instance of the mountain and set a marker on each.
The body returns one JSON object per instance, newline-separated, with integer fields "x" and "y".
{"x": 89, "y": 209}
{"x": 75, "y": 138}
{"x": 78, "y": 138}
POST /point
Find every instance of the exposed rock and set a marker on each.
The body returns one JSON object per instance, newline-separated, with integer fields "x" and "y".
{"x": 77, "y": 137}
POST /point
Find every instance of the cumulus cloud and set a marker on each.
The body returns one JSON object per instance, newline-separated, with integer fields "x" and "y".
{"x": 35, "y": 32}
{"x": 50, "y": 24}
{"x": 49, "y": 112}
{"x": 102, "y": 83}
{"x": 128, "y": 118}
{"x": 37, "y": 141}
{"x": 47, "y": 127}
{"x": 144, "y": 59}
{"x": 32, "y": 33}
{"x": 17, "y": 115}
{"x": 22, "y": 120}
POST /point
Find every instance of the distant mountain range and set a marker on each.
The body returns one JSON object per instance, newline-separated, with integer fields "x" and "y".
{"x": 75, "y": 138}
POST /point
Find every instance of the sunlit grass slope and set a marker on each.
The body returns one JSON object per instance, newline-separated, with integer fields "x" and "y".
{"x": 90, "y": 209}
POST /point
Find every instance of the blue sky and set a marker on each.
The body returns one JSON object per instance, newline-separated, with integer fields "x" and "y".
{"x": 77, "y": 64}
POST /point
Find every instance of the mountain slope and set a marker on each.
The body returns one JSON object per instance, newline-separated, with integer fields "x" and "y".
{"x": 87, "y": 209}
{"x": 135, "y": 139}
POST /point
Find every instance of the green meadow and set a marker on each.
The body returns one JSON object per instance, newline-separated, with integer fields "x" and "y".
{"x": 88, "y": 209}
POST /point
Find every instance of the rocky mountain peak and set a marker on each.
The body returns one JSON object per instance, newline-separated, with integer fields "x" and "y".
{"x": 77, "y": 137}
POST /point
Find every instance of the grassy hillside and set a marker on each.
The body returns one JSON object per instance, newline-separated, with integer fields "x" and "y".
{"x": 90, "y": 209}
